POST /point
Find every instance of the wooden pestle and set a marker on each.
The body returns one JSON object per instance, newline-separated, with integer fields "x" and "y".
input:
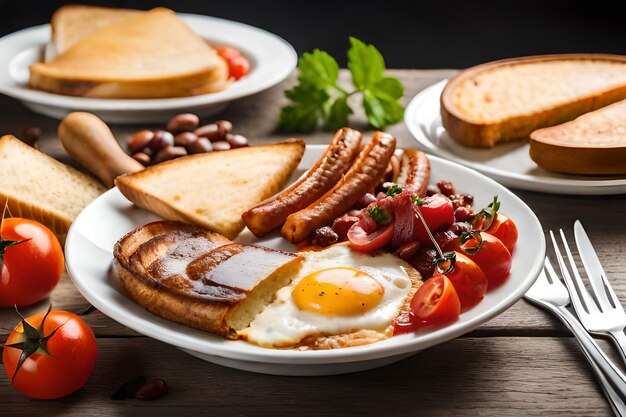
{"x": 89, "y": 141}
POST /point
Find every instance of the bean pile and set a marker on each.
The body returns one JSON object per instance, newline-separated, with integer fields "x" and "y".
{"x": 183, "y": 135}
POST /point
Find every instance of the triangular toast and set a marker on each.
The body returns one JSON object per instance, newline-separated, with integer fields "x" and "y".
{"x": 213, "y": 189}
{"x": 147, "y": 55}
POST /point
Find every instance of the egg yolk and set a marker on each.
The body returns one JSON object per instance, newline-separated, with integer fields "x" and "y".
{"x": 338, "y": 292}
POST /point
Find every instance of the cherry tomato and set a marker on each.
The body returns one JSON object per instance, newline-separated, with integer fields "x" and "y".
{"x": 493, "y": 257}
{"x": 30, "y": 269}
{"x": 436, "y": 301}
{"x": 468, "y": 279}
{"x": 362, "y": 241}
{"x": 438, "y": 213}
{"x": 73, "y": 353}
{"x": 504, "y": 229}
{"x": 238, "y": 67}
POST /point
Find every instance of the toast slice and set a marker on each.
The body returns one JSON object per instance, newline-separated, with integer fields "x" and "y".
{"x": 507, "y": 100}
{"x": 594, "y": 143}
{"x": 198, "y": 278}
{"x": 41, "y": 188}
{"x": 147, "y": 55}
{"x": 212, "y": 190}
{"x": 73, "y": 22}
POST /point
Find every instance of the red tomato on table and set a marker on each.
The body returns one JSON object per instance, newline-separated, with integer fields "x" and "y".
{"x": 32, "y": 262}
{"x": 73, "y": 353}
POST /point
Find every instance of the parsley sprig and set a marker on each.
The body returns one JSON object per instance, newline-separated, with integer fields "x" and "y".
{"x": 317, "y": 96}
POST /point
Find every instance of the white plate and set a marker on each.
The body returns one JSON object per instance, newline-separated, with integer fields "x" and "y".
{"x": 272, "y": 59}
{"x": 95, "y": 231}
{"x": 508, "y": 163}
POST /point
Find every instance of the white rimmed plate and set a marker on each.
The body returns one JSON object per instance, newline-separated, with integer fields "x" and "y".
{"x": 272, "y": 59}
{"x": 88, "y": 254}
{"x": 508, "y": 163}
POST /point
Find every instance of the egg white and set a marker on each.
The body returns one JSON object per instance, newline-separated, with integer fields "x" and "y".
{"x": 283, "y": 324}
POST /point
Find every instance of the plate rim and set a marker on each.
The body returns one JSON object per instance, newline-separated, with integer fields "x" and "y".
{"x": 577, "y": 186}
{"x": 403, "y": 343}
{"x": 23, "y": 93}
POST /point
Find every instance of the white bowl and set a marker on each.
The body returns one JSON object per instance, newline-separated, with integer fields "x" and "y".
{"x": 88, "y": 253}
{"x": 272, "y": 59}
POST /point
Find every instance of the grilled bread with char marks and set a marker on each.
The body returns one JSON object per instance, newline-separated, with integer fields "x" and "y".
{"x": 199, "y": 278}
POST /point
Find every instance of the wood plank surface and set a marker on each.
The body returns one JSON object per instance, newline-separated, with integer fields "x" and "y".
{"x": 520, "y": 363}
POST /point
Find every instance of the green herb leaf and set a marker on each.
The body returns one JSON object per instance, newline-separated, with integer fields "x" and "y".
{"x": 380, "y": 215}
{"x": 417, "y": 200}
{"x": 317, "y": 96}
{"x": 394, "y": 190}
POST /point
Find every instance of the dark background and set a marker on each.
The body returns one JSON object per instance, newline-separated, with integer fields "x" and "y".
{"x": 410, "y": 34}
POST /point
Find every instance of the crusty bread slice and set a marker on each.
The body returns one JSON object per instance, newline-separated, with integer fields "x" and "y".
{"x": 213, "y": 189}
{"x": 507, "y": 100}
{"x": 73, "y": 22}
{"x": 198, "y": 278}
{"x": 147, "y": 55}
{"x": 41, "y": 188}
{"x": 594, "y": 143}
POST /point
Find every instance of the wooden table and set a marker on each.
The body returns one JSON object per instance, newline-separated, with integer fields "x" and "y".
{"x": 521, "y": 363}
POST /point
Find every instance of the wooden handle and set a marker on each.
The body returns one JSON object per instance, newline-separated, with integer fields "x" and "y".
{"x": 89, "y": 141}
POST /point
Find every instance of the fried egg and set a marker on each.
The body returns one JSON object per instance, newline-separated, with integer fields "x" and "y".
{"x": 337, "y": 291}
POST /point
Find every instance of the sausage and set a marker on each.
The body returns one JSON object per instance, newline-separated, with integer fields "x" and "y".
{"x": 415, "y": 171}
{"x": 364, "y": 174}
{"x": 326, "y": 172}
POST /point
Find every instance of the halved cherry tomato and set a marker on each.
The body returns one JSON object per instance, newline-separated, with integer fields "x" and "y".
{"x": 468, "y": 279}
{"x": 438, "y": 213}
{"x": 436, "y": 301}
{"x": 493, "y": 257}
{"x": 30, "y": 269}
{"x": 362, "y": 241}
{"x": 72, "y": 359}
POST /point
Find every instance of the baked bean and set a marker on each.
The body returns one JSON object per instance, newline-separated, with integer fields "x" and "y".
{"x": 224, "y": 126}
{"x": 161, "y": 140}
{"x": 236, "y": 141}
{"x": 142, "y": 158}
{"x": 408, "y": 250}
{"x": 169, "y": 152}
{"x": 185, "y": 138}
{"x": 459, "y": 227}
{"x": 152, "y": 390}
{"x": 129, "y": 388}
{"x": 30, "y": 135}
{"x": 148, "y": 151}
{"x": 200, "y": 145}
{"x": 424, "y": 262}
{"x": 140, "y": 140}
{"x": 342, "y": 224}
{"x": 183, "y": 123}
{"x": 221, "y": 146}
{"x": 463, "y": 214}
{"x": 210, "y": 131}
{"x": 446, "y": 188}
{"x": 325, "y": 236}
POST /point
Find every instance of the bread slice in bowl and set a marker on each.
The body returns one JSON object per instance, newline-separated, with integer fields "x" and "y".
{"x": 212, "y": 190}
{"x": 507, "y": 100}
{"x": 146, "y": 55}
{"x": 72, "y": 22}
{"x": 592, "y": 144}
{"x": 199, "y": 278}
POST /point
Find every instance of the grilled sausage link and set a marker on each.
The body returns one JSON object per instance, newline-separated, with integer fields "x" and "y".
{"x": 415, "y": 171}
{"x": 364, "y": 174}
{"x": 335, "y": 161}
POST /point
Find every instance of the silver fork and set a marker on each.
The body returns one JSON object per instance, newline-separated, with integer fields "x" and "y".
{"x": 601, "y": 311}
{"x": 548, "y": 292}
